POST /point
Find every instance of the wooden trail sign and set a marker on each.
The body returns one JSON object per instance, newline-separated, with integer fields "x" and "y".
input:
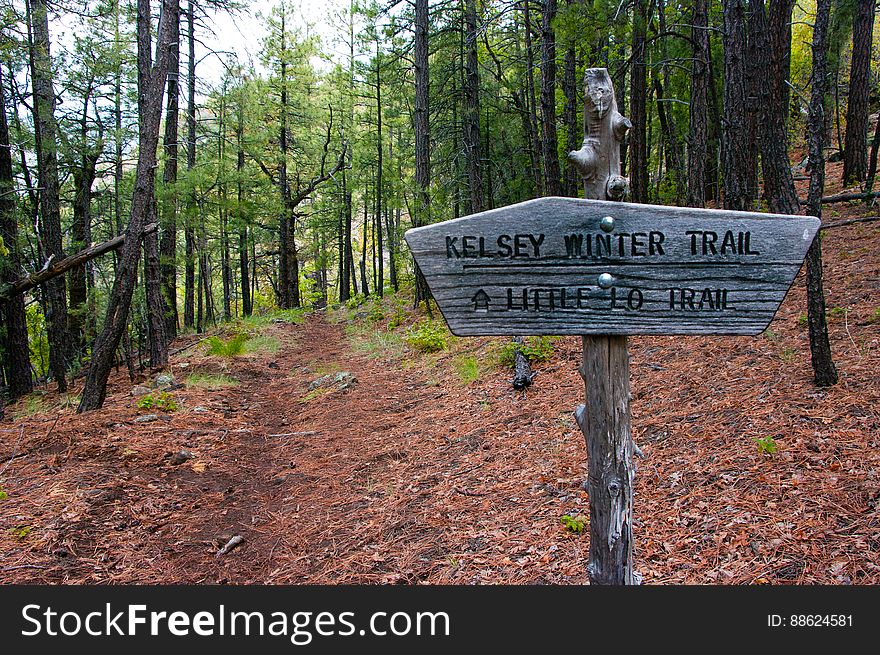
{"x": 606, "y": 270}
{"x": 571, "y": 266}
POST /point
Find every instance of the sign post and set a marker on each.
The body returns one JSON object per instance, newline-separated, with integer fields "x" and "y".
{"x": 604, "y": 269}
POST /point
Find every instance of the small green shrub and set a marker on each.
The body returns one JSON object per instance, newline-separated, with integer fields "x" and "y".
{"x": 376, "y": 313}
{"x": 210, "y": 381}
{"x": 576, "y": 523}
{"x": 427, "y": 337}
{"x": 398, "y": 318}
{"x": 802, "y": 320}
{"x": 766, "y": 445}
{"x": 467, "y": 368}
{"x": 3, "y": 495}
{"x": 535, "y": 349}
{"x": 356, "y": 301}
{"x": 875, "y": 316}
{"x": 262, "y": 343}
{"x": 837, "y": 312}
{"x": 230, "y": 348}
{"x": 158, "y": 400}
{"x": 21, "y": 531}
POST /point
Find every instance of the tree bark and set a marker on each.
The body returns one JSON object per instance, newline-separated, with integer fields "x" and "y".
{"x": 243, "y": 264}
{"x": 14, "y": 334}
{"x": 778, "y": 182}
{"x": 471, "y": 112}
{"x": 422, "y": 137}
{"x": 151, "y": 81}
{"x": 168, "y": 240}
{"x": 537, "y": 158}
{"x": 157, "y": 338}
{"x": 46, "y": 135}
{"x": 698, "y": 136}
{"x": 734, "y": 125}
{"x": 824, "y": 371}
{"x": 638, "y": 143}
{"x": 189, "y": 317}
{"x": 855, "y": 143}
{"x": 570, "y": 114}
{"x": 549, "y": 140}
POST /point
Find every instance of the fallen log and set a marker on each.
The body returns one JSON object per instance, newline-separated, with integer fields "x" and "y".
{"x": 850, "y": 221}
{"x": 844, "y": 197}
{"x": 51, "y": 270}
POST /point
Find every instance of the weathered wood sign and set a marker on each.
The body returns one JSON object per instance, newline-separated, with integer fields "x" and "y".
{"x": 572, "y": 266}
{"x": 605, "y": 270}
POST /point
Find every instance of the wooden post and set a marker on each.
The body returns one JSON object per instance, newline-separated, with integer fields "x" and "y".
{"x": 605, "y": 417}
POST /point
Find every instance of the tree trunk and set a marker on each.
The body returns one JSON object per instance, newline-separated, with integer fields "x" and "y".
{"x": 243, "y": 264}
{"x": 734, "y": 134}
{"x": 824, "y": 371}
{"x": 151, "y": 89}
{"x": 570, "y": 114}
{"x": 549, "y": 142}
{"x": 380, "y": 151}
{"x": 638, "y": 144}
{"x": 531, "y": 104}
{"x": 168, "y": 240}
{"x": 155, "y": 306}
{"x": 422, "y": 137}
{"x": 698, "y": 136}
{"x": 855, "y": 148}
{"x": 83, "y": 179}
{"x": 46, "y": 135}
{"x": 190, "y": 210}
{"x": 471, "y": 113}
{"x": 778, "y": 183}
{"x": 14, "y": 334}
{"x": 779, "y": 23}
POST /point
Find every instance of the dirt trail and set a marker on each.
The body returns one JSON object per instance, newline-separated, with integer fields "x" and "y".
{"x": 413, "y": 475}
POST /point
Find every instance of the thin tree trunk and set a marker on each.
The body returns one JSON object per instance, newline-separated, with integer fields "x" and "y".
{"x": 698, "y": 137}
{"x": 151, "y": 82}
{"x": 531, "y": 103}
{"x": 638, "y": 144}
{"x": 734, "y": 125}
{"x": 190, "y": 211}
{"x": 471, "y": 113}
{"x": 243, "y": 264}
{"x": 168, "y": 240}
{"x": 824, "y": 371}
{"x": 549, "y": 140}
{"x": 158, "y": 340}
{"x": 422, "y": 137}
{"x": 380, "y": 285}
{"x": 855, "y": 148}
{"x": 571, "y": 183}
{"x": 16, "y": 361}
{"x": 46, "y": 135}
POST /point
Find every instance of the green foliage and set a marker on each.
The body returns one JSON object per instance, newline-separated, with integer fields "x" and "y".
{"x": 262, "y": 343}
{"x": 875, "y": 316}
{"x": 576, "y": 524}
{"x": 161, "y": 400}
{"x": 787, "y": 354}
{"x": 802, "y": 320}
{"x": 428, "y": 336}
{"x": 766, "y": 445}
{"x": 535, "y": 349}
{"x": 21, "y": 532}
{"x": 837, "y": 312}
{"x": 230, "y": 348}
{"x": 3, "y": 494}
{"x": 210, "y": 381}
{"x": 376, "y": 343}
{"x": 356, "y": 301}
{"x": 37, "y": 341}
{"x": 467, "y": 368}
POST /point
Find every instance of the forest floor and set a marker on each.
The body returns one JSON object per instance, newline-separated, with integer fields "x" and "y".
{"x": 432, "y": 469}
